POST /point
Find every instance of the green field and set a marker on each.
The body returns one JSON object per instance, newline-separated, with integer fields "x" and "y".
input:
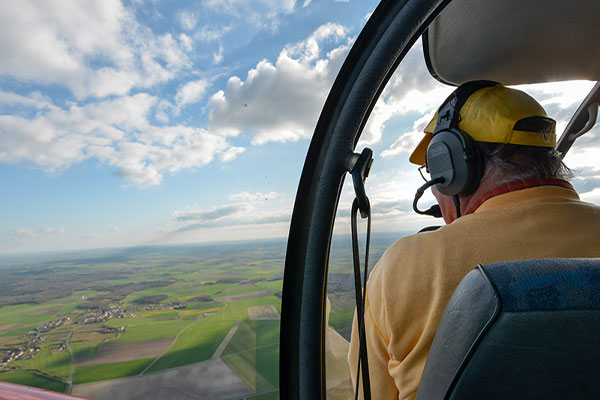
{"x": 140, "y": 329}
{"x": 49, "y": 361}
{"x": 341, "y": 319}
{"x": 31, "y": 379}
{"x": 20, "y": 331}
{"x": 273, "y": 286}
{"x": 86, "y": 299}
{"x": 238, "y": 310}
{"x": 25, "y": 314}
{"x": 83, "y": 349}
{"x": 253, "y": 354}
{"x": 93, "y": 373}
{"x": 196, "y": 343}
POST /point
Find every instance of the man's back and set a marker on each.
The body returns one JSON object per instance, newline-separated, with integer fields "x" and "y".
{"x": 412, "y": 283}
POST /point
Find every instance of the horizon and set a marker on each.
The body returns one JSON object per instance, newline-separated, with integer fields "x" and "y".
{"x": 5, "y": 257}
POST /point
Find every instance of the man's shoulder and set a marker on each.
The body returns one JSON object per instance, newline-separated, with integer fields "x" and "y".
{"x": 411, "y": 253}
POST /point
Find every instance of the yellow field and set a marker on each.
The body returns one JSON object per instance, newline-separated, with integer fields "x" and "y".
{"x": 153, "y": 312}
{"x": 186, "y": 313}
{"x": 94, "y": 337}
{"x": 11, "y": 327}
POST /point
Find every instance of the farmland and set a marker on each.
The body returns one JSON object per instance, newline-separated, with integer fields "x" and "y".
{"x": 87, "y": 322}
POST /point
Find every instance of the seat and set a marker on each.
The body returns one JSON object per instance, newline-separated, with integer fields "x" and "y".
{"x": 519, "y": 330}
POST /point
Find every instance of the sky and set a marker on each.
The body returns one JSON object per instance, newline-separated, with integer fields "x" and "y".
{"x": 140, "y": 122}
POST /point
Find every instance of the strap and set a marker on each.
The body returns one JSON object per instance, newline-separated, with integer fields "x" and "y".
{"x": 449, "y": 111}
{"x": 361, "y": 295}
{"x": 360, "y": 171}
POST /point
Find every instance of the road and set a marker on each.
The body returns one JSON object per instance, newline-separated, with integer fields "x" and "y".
{"x": 225, "y": 341}
{"x": 72, "y": 363}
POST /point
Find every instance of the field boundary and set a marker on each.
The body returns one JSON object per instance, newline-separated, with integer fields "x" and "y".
{"x": 167, "y": 349}
{"x": 226, "y": 340}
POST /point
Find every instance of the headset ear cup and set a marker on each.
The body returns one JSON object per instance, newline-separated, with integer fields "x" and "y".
{"x": 454, "y": 156}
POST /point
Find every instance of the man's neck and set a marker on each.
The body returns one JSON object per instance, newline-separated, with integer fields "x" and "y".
{"x": 488, "y": 189}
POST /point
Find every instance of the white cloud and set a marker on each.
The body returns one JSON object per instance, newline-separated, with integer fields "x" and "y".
{"x": 411, "y": 89}
{"x": 187, "y": 20}
{"x": 251, "y": 8}
{"x": 191, "y": 92}
{"x": 593, "y": 196}
{"x": 218, "y": 56}
{"x": 409, "y": 140}
{"x": 33, "y": 232}
{"x": 209, "y": 33}
{"x": 186, "y": 42}
{"x": 34, "y": 100}
{"x": 24, "y": 232}
{"x": 93, "y": 48}
{"x": 253, "y": 14}
{"x": 164, "y": 109}
{"x": 281, "y": 102}
{"x": 116, "y": 132}
{"x": 265, "y": 213}
{"x": 254, "y": 197}
{"x": 49, "y": 229}
{"x": 231, "y": 153}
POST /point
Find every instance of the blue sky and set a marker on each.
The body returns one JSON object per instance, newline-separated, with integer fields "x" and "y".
{"x": 148, "y": 121}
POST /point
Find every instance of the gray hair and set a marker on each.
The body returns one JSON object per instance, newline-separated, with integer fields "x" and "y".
{"x": 510, "y": 161}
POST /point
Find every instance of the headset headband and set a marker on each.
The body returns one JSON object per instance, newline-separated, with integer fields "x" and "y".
{"x": 449, "y": 111}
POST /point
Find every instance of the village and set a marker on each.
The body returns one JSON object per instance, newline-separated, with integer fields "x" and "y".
{"x": 33, "y": 339}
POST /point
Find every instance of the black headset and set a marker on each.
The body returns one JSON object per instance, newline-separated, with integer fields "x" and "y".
{"x": 453, "y": 159}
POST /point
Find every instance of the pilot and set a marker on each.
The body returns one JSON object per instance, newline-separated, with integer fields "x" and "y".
{"x": 517, "y": 205}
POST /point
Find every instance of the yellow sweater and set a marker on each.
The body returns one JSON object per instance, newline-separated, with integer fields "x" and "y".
{"x": 411, "y": 284}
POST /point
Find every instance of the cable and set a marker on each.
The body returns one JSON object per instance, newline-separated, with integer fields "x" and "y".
{"x": 456, "y": 200}
{"x": 435, "y": 210}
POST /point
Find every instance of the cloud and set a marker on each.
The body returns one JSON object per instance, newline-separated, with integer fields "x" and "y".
{"x": 410, "y": 90}
{"x": 187, "y": 20}
{"x": 191, "y": 92}
{"x": 254, "y": 197}
{"x": 209, "y": 33}
{"x": 116, "y": 132}
{"x": 95, "y": 49}
{"x": 408, "y": 141}
{"x": 263, "y": 13}
{"x": 33, "y": 232}
{"x": 281, "y": 101}
{"x": 24, "y": 232}
{"x": 199, "y": 216}
{"x": 35, "y": 100}
{"x": 243, "y": 209}
{"x": 186, "y": 42}
{"x": 218, "y": 56}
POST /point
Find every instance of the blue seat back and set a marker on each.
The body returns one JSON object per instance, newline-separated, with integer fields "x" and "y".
{"x": 519, "y": 330}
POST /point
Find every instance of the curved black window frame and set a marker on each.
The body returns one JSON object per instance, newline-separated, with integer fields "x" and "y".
{"x": 388, "y": 35}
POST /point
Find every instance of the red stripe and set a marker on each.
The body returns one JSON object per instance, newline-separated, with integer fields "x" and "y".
{"x": 514, "y": 186}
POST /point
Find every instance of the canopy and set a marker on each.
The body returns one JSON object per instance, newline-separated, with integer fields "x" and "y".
{"x": 515, "y": 41}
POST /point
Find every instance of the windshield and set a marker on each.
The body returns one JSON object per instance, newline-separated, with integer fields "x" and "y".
{"x": 149, "y": 158}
